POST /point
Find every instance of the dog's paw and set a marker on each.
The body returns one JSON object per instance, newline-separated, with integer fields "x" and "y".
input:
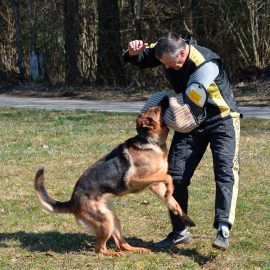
{"x": 111, "y": 253}
{"x": 189, "y": 222}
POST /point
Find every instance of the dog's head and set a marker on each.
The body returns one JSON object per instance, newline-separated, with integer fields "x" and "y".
{"x": 150, "y": 123}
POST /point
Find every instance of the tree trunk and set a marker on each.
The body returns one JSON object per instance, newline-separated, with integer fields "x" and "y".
{"x": 109, "y": 60}
{"x": 71, "y": 35}
{"x": 36, "y": 59}
{"x": 18, "y": 40}
{"x": 197, "y": 19}
{"x": 188, "y": 19}
{"x": 137, "y": 14}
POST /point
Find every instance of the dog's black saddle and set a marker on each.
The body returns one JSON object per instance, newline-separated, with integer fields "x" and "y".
{"x": 106, "y": 175}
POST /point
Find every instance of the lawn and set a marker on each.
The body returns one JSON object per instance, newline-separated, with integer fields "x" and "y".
{"x": 66, "y": 143}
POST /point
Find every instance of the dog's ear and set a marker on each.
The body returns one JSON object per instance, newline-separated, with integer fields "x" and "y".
{"x": 164, "y": 103}
{"x": 149, "y": 123}
{"x": 145, "y": 123}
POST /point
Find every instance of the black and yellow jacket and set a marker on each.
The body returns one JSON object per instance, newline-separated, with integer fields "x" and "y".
{"x": 220, "y": 101}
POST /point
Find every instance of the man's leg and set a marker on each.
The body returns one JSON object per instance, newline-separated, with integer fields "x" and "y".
{"x": 224, "y": 143}
{"x": 185, "y": 154}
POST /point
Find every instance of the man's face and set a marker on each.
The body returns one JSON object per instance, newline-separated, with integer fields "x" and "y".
{"x": 174, "y": 62}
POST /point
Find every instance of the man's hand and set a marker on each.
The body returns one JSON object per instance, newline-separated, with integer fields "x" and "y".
{"x": 136, "y": 47}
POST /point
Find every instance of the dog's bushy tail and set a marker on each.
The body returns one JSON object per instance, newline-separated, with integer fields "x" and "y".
{"x": 48, "y": 203}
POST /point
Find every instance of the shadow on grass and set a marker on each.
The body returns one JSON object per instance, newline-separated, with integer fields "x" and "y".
{"x": 192, "y": 253}
{"x": 48, "y": 241}
{"x": 75, "y": 242}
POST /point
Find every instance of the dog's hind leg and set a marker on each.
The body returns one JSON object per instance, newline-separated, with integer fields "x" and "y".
{"x": 119, "y": 240}
{"x": 103, "y": 233}
{"x": 160, "y": 190}
{"x": 100, "y": 220}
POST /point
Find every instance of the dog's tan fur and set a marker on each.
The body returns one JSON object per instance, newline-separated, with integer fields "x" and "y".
{"x": 147, "y": 157}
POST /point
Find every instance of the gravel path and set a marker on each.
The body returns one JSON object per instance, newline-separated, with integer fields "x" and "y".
{"x": 100, "y": 106}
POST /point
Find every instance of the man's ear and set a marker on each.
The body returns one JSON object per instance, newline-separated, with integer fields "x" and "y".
{"x": 182, "y": 52}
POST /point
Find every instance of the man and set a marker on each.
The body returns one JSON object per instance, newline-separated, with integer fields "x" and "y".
{"x": 206, "y": 109}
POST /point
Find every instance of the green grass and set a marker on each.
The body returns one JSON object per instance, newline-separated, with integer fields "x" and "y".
{"x": 66, "y": 143}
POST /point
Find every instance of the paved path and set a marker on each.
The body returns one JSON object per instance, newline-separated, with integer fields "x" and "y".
{"x": 100, "y": 106}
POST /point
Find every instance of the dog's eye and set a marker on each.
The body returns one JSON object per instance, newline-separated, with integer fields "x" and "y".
{"x": 148, "y": 121}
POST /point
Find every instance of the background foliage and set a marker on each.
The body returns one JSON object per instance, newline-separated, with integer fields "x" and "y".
{"x": 82, "y": 41}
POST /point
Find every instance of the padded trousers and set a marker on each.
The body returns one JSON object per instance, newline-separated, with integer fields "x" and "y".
{"x": 187, "y": 150}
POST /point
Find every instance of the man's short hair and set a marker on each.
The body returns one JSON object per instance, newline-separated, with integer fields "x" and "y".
{"x": 171, "y": 44}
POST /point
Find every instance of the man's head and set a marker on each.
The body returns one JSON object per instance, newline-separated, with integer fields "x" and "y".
{"x": 172, "y": 51}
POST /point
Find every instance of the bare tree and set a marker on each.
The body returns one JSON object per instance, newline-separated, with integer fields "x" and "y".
{"x": 88, "y": 39}
{"x": 245, "y": 23}
{"x": 19, "y": 45}
{"x": 36, "y": 58}
{"x": 85, "y": 42}
{"x": 109, "y": 64}
{"x": 7, "y": 51}
{"x": 136, "y": 7}
{"x": 71, "y": 35}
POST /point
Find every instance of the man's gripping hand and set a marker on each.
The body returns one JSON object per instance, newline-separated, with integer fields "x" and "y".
{"x": 136, "y": 47}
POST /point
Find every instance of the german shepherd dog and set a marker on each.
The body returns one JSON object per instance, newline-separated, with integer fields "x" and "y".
{"x": 132, "y": 166}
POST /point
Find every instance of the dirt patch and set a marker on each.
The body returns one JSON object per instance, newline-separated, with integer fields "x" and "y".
{"x": 249, "y": 93}
{"x": 253, "y": 93}
{"x": 78, "y": 92}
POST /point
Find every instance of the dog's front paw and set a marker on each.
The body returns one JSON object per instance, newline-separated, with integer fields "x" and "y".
{"x": 189, "y": 222}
